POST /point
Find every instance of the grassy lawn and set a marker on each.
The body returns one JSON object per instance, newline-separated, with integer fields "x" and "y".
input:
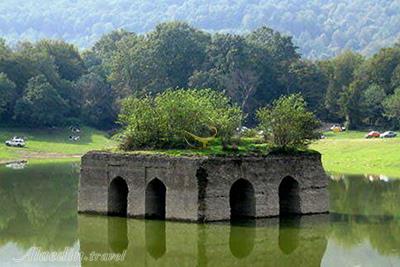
{"x": 347, "y": 152}
{"x": 350, "y": 152}
{"x": 51, "y": 143}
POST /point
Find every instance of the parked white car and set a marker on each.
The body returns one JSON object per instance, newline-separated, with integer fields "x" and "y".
{"x": 16, "y": 142}
{"x": 388, "y": 134}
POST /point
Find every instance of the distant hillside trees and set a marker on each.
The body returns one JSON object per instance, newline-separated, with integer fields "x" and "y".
{"x": 252, "y": 69}
{"x": 322, "y": 28}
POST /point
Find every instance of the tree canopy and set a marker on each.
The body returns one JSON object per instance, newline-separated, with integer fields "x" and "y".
{"x": 252, "y": 69}
{"x": 321, "y": 28}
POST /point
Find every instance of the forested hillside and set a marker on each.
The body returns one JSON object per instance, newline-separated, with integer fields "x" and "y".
{"x": 321, "y": 28}
{"x": 52, "y": 83}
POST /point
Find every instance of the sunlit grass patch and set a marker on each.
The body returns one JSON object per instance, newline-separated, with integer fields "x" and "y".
{"x": 350, "y": 152}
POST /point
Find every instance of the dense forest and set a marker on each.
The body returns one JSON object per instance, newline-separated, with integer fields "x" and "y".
{"x": 321, "y": 28}
{"x": 50, "y": 83}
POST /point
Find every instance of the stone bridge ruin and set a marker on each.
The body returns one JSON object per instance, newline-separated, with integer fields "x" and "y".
{"x": 202, "y": 188}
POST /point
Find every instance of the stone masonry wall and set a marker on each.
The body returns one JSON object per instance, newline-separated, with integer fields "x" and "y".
{"x": 198, "y": 188}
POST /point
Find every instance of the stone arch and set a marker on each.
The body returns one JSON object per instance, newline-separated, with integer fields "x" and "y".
{"x": 289, "y": 198}
{"x": 155, "y": 200}
{"x": 118, "y": 198}
{"x": 242, "y": 200}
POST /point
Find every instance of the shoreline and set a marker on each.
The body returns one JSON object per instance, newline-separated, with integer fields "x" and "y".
{"x": 39, "y": 156}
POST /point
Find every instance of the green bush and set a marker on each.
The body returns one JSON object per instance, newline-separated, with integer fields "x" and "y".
{"x": 287, "y": 125}
{"x": 161, "y": 122}
{"x": 250, "y": 133}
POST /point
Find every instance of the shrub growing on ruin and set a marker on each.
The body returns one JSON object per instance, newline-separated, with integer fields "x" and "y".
{"x": 164, "y": 120}
{"x": 288, "y": 124}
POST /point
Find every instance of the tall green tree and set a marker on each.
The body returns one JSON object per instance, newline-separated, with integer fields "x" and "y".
{"x": 392, "y": 106}
{"x": 97, "y": 101}
{"x": 311, "y": 82}
{"x": 66, "y": 57}
{"x": 373, "y": 98}
{"x": 229, "y": 68}
{"x": 41, "y": 104}
{"x": 288, "y": 124}
{"x": 7, "y": 95}
{"x": 351, "y": 105}
{"x": 341, "y": 74}
{"x": 382, "y": 69}
{"x": 164, "y": 58}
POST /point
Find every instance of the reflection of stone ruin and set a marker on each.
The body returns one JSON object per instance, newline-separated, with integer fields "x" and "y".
{"x": 272, "y": 242}
{"x": 202, "y": 188}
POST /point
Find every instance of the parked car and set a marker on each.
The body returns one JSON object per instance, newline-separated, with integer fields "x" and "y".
{"x": 388, "y": 134}
{"x": 373, "y": 134}
{"x": 16, "y": 142}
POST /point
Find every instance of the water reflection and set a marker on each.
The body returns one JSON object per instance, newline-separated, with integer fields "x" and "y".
{"x": 255, "y": 243}
{"x": 289, "y": 234}
{"x": 357, "y": 195}
{"x": 38, "y": 206}
{"x": 38, "y": 209}
{"x": 241, "y": 238}
{"x": 118, "y": 234}
{"x": 156, "y": 244}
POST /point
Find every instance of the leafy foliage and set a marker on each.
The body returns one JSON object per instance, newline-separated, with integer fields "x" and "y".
{"x": 40, "y": 96}
{"x": 322, "y": 28}
{"x": 163, "y": 121}
{"x": 252, "y": 69}
{"x": 7, "y": 91}
{"x": 96, "y": 98}
{"x": 288, "y": 124}
{"x": 392, "y": 105}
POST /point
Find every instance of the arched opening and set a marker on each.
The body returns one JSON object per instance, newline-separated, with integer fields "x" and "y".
{"x": 118, "y": 198}
{"x": 289, "y": 199}
{"x": 155, "y": 200}
{"x": 242, "y": 200}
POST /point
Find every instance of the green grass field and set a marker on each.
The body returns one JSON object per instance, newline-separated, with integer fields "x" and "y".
{"x": 51, "y": 143}
{"x": 350, "y": 152}
{"x": 347, "y": 152}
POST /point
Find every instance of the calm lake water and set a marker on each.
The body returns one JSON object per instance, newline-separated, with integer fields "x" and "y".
{"x": 38, "y": 220}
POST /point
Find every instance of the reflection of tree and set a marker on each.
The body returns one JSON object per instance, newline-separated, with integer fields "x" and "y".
{"x": 383, "y": 233}
{"x": 391, "y": 200}
{"x": 39, "y": 206}
{"x": 365, "y": 197}
{"x": 385, "y": 237}
{"x": 8, "y": 210}
{"x": 367, "y": 210}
